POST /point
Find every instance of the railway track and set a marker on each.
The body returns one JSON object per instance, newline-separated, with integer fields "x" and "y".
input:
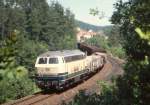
{"x": 32, "y": 99}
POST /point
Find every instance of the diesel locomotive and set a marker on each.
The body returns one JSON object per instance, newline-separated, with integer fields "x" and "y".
{"x": 60, "y": 69}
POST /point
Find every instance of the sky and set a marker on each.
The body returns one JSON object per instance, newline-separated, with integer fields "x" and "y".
{"x": 81, "y": 10}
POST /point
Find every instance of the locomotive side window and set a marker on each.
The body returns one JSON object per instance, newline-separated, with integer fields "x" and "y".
{"x": 42, "y": 61}
{"x": 67, "y": 59}
{"x": 53, "y": 60}
{"x": 73, "y": 58}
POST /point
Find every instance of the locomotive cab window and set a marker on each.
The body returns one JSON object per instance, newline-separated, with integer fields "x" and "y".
{"x": 42, "y": 61}
{"x": 53, "y": 61}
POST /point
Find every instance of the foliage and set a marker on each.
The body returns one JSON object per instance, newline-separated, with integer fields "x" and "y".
{"x": 106, "y": 97}
{"x": 98, "y": 41}
{"x": 15, "y": 88}
{"x": 114, "y": 37}
{"x": 96, "y": 12}
{"x": 14, "y": 81}
{"x": 117, "y": 52}
{"x": 63, "y": 28}
{"x": 132, "y": 16}
{"x": 28, "y": 51}
{"x": 27, "y": 29}
{"x": 113, "y": 47}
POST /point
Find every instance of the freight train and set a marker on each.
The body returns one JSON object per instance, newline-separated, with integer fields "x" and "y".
{"x": 60, "y": 69}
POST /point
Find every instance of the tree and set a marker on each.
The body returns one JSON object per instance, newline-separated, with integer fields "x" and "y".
{"x": 114, "y": 38}
{"x": 111, "y": 47}
{"x": 14, "y": 81}
{"x": 132, "y": 17}
{"x": 27, "y": 29}
{"x": 62, "y": 28}
{"x": 99, "y": 41}
{"x": 11, "y": 18}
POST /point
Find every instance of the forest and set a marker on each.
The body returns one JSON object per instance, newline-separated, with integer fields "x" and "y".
{"x": 27, "y": 29}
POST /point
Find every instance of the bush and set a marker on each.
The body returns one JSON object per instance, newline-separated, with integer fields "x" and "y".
{"x": 102, "y": 42}
{"x": 117, "y": 51}
{"x": 107, "y": 96}
{"x": 15, "y": 88}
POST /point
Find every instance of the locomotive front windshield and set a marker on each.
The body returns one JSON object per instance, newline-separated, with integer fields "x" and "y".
{"x": 53, "y": 60}
{"x": 49, "y": 60}
{"x": 42, "y": 61}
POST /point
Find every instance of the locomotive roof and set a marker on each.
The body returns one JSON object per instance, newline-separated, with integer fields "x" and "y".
{"x": 61, "y": 53}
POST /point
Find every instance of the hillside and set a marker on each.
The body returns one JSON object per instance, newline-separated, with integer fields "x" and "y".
{"x": 88, "y": 26}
